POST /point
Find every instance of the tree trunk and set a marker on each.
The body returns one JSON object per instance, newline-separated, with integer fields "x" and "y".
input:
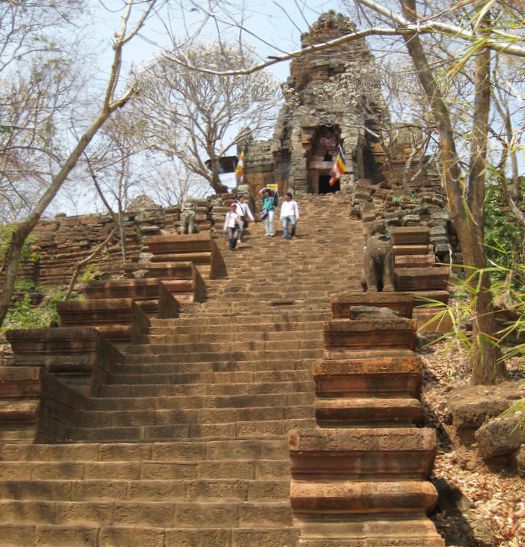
{"x": 11, "y": 262}
{"x": 215, "y": 181}
{"x": 486, "y": 366}
{"x": 468, "y": 223}
{"x": 23, "y": 230}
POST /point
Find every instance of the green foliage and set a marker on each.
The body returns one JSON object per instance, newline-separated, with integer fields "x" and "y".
{"x": 90, "y": 272}
{"x": 503, "y": 235}
{"x": 5, "y": 238}
{"x": 508, "y": 298}
{"x": 23, "y": 315}
{"x": 518, "y": 406}
{"x": 398, "y": 200}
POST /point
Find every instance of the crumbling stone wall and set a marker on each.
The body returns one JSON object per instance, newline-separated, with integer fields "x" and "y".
{"x": 65, "y": 240}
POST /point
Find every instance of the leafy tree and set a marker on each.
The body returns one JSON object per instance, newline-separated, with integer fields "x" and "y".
{"x": 195, "y": 116}
{"x": 56, "y": 162}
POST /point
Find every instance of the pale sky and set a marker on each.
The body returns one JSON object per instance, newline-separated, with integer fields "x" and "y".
{"x": 265, "y": 22}
{"x": 272, "y": 24}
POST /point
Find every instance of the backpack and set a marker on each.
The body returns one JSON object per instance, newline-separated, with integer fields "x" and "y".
{"x": 275, "y": 199}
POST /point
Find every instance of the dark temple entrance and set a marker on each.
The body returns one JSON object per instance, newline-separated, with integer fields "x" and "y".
{"x": 324, "y": 186}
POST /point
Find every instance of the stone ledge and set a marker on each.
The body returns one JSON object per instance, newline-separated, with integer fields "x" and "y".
{"x": 343, "y": 497}
{"x": 368, "y": 411}
{"x": 370, "y": 333}
{"x": 392, "y": 376}
{"x": 360, "y": 454}
{"x": 402, "y": 303}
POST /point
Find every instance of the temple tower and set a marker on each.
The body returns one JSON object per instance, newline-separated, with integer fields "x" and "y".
{"x": 332, "y": 99}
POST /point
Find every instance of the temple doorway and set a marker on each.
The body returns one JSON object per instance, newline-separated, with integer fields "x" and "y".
{"x": 324, "y": 185}
{"x": 323, "y": 149}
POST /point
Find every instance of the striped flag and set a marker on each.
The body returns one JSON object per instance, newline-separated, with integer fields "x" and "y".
{"x": 239, "y": 170}
{"x": 339, "y": 167}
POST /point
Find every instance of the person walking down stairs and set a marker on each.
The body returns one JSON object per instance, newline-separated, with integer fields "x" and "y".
{"x": 268, "y": 211}
{"x": 232, "y": 225}
{"x": 289, "y": 215}
{"x": 246, "y": 215}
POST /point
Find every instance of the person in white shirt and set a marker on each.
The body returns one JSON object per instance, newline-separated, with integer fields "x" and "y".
{"x": 245, "y": 213}
{"x": 232, "y": 225}
{"x": 289, "y": 215}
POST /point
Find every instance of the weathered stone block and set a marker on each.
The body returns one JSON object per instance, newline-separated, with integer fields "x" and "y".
{"x": 118, "y": 319}
{"x": 371, "y": 530}
{"x": 396, "y": 453}
{"x": 367, "y": 411}
{"x": 410, "y": 235}
{"x": 415, "y": 261}
{"x": 423, "y": 279}
{"x": 401, "y": 303}
{"x": 371, "y": 333}
{"x": 501, "y": 436}
{"x": 343, "y": 497}
{"x": 390, "y": 376}
{"x": 411, "y": 249}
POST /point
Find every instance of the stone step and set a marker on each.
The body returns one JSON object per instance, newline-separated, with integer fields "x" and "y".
{"x": 212, "y": 378}
{"x": 339, "y": 497}
{"x": 252, "y": 319}
{"x": 154, "y": 433}
{"x": 247, "y": 336}
{"x": 243, "y": 347}
{"x": 433, "y": 278}
{"x": 187, "y": 514}
{"x": 219, "y": 366}
{"x": 145, "y": 490}
{"x": 288, "y": 399}
{"x": 189, "y": 416}
{"x": 373, "y": 412}
{"x": 305, "y": 281}
{"x": 162, "y": 353}
{"x": 410, "y": 235}
{"x": 251, "y": 296}
{"x": 56, "y": 535}
{"x": 381, "y": 375}
{"x": 146, "y": 470}
{"x": 190, "y": 357}
{"x": 273, "y": 303}
{"x": 401, "y": 303}
{"x": 357, "y": 454}
{"x": 231, "y": 314}
{"x": 228, "y": 329}
{"x": 138, "y": 289}
{"x": 370, "y": 531}
{"x": 165, "y": 243}
{"x": 162, "y": 390}
{"x": 182, "y": 451}
{"x": 196, "y": 257}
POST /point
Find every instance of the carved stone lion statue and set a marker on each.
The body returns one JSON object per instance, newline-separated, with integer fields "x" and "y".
{"x": 378, "y": 260}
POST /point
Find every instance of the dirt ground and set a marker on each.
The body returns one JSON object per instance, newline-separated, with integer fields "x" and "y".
{"x": 495, "y": 500}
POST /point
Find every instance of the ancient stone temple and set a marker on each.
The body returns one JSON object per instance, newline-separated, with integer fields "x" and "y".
{"x": 332, "y": 99}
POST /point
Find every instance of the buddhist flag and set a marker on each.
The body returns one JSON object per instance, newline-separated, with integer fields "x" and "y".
{"x": 239, "y": 170}
{"x": 339, "y": 167}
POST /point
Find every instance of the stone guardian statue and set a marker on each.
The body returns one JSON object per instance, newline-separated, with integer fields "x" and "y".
{"x": 378, "y": 260}
{"x": 188, "y": 212}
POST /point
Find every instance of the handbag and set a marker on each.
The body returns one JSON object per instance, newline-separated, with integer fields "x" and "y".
{"x": 264, "y": 214}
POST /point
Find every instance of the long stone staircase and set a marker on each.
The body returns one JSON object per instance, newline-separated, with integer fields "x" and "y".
{"x": 185, "y": 441}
